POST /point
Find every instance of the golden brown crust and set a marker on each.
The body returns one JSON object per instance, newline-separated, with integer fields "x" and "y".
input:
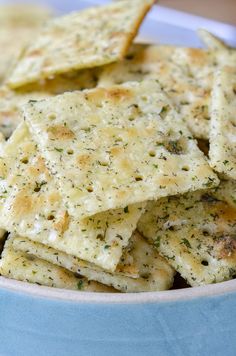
{"x": 140, "y": 268}
{"x": 62, "y": 223}
{"x": 129, "y": 145}
{"x": 31, "y": 205}
{"x": 92, "y": 37}
{"x": 196, "y": 233}
{"x": 23, "y": 204}
{"x": 60, "y": 132}
{"x": 26, "y": 267}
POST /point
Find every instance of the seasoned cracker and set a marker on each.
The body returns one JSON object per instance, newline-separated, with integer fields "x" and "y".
{"x": 212, "y": 41}
{"x": 11, "y": 101}
{"x": 186, "y": 74}
{"x": 10, "y": 108}
{"x": 196, "y": 233}
{"x": 154, "y": 273}
{"x": 24, "y": 15}
{"x": 18, "y": 25}
{"x": 12, "y": 46}
{"x": 85, "y": 39}
{"x": 108, "y": 148}
{"x": 28, "y": 268}
{"x": 201, "y": 65}
{"x": 190, "y": 96}
{"x": 222, "y": 151}
{"x": 31, "y": 206}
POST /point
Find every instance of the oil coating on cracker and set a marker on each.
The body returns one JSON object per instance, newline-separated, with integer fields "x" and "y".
{"x": 153, "y": 271}
{"x": 195, "y": 232}
{"x": 85, "y": 39}
{"x": 146, "y": 151}
{"x": 31, "y": 206}
{"x": 27, "y": 268}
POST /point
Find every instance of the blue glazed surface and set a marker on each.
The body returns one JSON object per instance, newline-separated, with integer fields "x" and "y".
{"x": 202, "y": 326}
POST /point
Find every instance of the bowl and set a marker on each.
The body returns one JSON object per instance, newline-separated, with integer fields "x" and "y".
{"x": 47, "y": 321}
{"x": 191, "y": 321}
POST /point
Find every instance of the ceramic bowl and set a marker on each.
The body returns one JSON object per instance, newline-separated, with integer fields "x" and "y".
{"x": 46, "y": 322}
{"x": 41, "y": 321}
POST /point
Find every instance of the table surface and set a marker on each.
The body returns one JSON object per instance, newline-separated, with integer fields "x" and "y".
{"x": 221, "y": 10}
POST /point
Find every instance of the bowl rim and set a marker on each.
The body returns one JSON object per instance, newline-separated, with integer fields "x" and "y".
{"x": 177, "y": 295}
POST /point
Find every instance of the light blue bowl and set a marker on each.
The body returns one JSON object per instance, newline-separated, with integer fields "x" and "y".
{"x": 43, "y": 321}
{"x": 201, "y": 321}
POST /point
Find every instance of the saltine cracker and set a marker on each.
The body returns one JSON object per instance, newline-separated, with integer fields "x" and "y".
{"x": 28, "y": 268}
{"x": 11, "y": 101}
{"x": 222, "y": 151}
{"x": 85, "y": 39}
{"x": 111, "y": 147}
{"x": 161, "y": 62}
{"x": 31, "y": 206}
{"x": 196, "y": 233}
{"x": 212, "y": 41}
{"x": 18, "y": 25}
{"x": 154, "y": 272}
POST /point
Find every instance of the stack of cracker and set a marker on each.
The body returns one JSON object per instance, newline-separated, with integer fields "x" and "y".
{"x": 103, "y": 185}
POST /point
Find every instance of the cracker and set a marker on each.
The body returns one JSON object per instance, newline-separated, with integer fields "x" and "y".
{"x": 222, "y": 151}
{"x": 151, "y": 61}
{"x": 128, "y": 265}
{"x": 154, "y": 272}
{"x": 22, "y": 15}
{"x": 12, "y": 46}
{"x": 200, "y": 65}
{"x": 2, "y": 142}
{"x": 27, "y": 268}
{"x": 141, "y": 62}
{"x": 196, "y": 233}
{"x": 10, "y": 108}
{"x": 85, "y": 39}
{"x": 18, "y": 25}
{"x": 186, "y": 74}
{"x": 225, "y": 58}
{"x": 31, "y": 206}
{"x": 211, "y": 41}
{"x": 108, "y": 148}
{"x": 12, "y": 101}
